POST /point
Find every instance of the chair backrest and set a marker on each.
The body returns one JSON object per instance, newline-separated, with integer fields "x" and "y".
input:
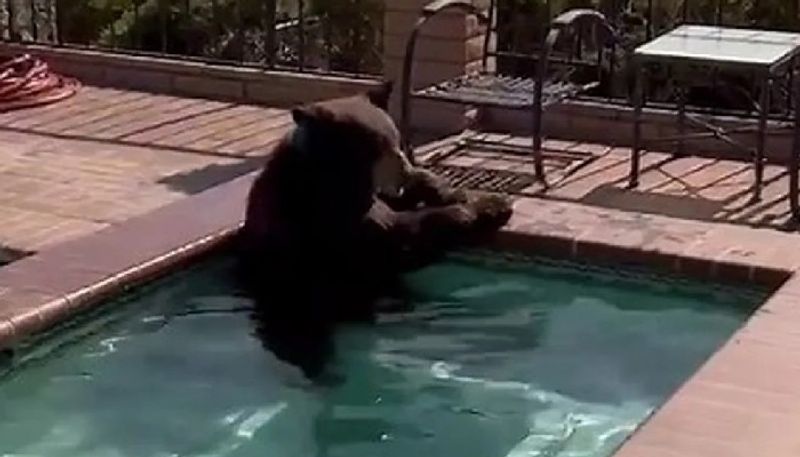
{"x": 520, "y": 29}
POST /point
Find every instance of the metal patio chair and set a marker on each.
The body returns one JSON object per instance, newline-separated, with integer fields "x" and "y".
{"x": 554, "y": 80}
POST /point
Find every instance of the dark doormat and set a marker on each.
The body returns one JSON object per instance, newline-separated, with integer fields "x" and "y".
{"x": 503, "y": 164}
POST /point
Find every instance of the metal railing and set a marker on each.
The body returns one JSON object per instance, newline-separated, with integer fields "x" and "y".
{"x": 338, "y": 36}
{"x": 345, "y": 36}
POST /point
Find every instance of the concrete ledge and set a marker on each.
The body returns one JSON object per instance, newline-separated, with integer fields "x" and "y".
{"x": 191, "y": 78}
{"x": 54, "y": 285}
{"x": 597, "y": 122}
{"x": 577, "y": 120}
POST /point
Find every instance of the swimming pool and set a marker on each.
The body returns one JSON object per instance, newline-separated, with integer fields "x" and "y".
{"x": 500, "y": 357}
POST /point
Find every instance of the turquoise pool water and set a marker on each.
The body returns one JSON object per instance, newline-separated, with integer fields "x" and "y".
{"x": 499, "y": 358}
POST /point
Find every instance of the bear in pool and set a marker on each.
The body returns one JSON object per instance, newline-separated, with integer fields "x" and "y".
{"x": 336, "y": 215}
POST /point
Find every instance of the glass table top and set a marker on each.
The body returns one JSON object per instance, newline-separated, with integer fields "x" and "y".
{"x": 712, "y": 44}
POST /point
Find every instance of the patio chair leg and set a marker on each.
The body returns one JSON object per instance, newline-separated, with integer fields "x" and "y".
{"x": 681, "y": 143}
{"x": 405, "y": 127}
{"x": 795, "y": 158}
{"x": 538, "y": 159}
{"x": 766, "y": 89}
{"x": 638, "y": 101}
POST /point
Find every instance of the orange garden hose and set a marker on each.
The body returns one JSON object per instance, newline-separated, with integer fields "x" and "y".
{"x": 27, "y": 81}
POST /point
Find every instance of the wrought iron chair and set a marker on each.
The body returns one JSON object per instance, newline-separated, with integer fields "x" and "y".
{"x": 553, "y": 82}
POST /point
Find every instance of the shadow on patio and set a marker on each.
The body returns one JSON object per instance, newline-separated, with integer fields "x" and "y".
{"x": 106, "y": 155}
{"x": 696, "y": 188}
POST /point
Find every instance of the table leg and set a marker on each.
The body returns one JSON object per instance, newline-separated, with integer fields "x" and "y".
{"x": 638, "y": 101}
{"x": 681, "y": 116}
{"x": 795, "y": 152}
{"x": 766, "y": 89}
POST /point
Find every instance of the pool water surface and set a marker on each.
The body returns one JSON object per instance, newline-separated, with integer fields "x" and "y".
{"x": 499, "y": 358}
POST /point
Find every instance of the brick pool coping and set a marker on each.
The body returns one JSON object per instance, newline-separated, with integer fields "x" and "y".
{"x": 744, "y": 401}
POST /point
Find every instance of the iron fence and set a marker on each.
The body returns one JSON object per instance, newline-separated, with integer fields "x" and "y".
{"x": 521, "y": 25}
{"x": 340, "y": 36}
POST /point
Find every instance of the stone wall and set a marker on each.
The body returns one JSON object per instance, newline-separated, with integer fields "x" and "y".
{"x": 193, "y": 79}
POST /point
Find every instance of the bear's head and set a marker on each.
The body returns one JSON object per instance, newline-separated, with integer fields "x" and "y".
{"x": 356, "y": 137}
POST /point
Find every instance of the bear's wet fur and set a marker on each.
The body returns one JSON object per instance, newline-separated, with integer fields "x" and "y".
{"x": 323, "y": 243}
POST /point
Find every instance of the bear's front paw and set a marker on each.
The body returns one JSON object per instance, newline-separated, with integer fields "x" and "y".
{"x": 492, "y": 210}
{"x": 431, "y": 189}
{"x": 448, "y": 219}
{"x": 458, "y": 214}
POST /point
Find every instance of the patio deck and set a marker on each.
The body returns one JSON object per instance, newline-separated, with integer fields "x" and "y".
{"x": 107, "y": 155}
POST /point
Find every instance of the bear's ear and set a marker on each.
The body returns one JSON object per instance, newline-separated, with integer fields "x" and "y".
{"x": 311, "y": 115}
{"x": 380, "y": 96}
{"x": 302, "y": 115}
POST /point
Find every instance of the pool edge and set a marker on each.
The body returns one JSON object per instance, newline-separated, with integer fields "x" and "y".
{"x": 46, "y": 288}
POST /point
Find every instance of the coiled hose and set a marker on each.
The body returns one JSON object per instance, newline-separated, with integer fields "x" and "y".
{"x": 27, "y": 81}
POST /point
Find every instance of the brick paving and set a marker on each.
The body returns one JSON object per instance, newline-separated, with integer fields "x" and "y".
{"x": 107, "y": 155}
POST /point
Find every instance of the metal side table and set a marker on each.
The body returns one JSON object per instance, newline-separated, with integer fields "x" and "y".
{"x": 767, "y": 54}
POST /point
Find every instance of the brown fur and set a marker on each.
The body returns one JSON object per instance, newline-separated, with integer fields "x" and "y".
{"x": 320, "y": 246}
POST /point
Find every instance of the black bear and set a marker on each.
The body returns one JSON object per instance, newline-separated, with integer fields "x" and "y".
{"x": 336, "y": 215}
